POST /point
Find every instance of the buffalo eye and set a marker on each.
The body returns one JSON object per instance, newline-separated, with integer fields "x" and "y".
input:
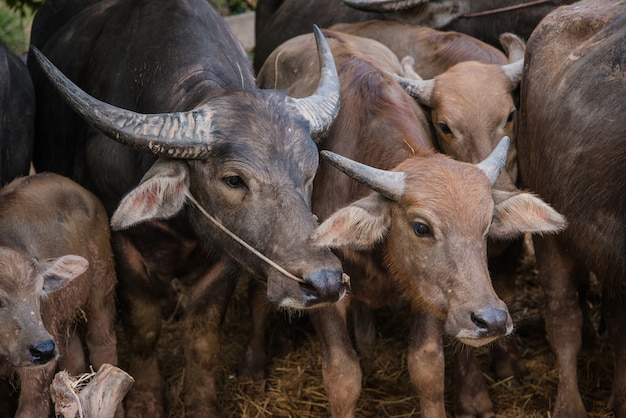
{"x": 234, "y": 182}
{"x": 511, "y": 116}
{"x": 421, "y": 229}
{"x": 444, "y": 128}
{"x": 3, "y": 303}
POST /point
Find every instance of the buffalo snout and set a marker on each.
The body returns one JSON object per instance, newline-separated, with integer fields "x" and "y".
{"x": 479, "y": 325}
{"x": 318, "y": 287}
{"x": 491, "y": 322}
{"x": 324, "y": 286}
{"x": 43, "y": 352}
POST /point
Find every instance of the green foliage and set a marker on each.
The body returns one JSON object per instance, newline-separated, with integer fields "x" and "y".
{"x": 24, "y": 6}
{"x": 232, "y": 7}
{"x": 15, "y": 28}
{"x": 16, "y": 17}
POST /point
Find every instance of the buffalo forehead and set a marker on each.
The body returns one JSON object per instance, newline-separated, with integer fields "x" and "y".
{"x": 453, "y": 190}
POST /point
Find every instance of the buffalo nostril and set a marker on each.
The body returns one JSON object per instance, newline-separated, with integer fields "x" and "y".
{"x": 491, "y": 321}
{"x": 480, "y": 323}
{"x": 43, "y": 352}
{"x": 328, "y": 285}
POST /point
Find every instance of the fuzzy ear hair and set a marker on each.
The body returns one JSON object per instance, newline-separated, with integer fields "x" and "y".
{"x": 160, "y": 195}
{"x": 516, "y": 213}
{"x": 359, "y": 226}
{"x": 58, "y": 272}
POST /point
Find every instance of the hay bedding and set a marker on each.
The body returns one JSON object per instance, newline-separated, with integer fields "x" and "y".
{"x": 294, "y": 388}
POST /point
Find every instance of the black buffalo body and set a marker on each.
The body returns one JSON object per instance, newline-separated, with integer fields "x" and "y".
{"x": 173, "y": 117}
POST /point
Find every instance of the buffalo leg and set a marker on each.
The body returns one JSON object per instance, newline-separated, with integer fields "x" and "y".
{"x": 471, "y": 393}
{"x": 253, "y": 360}
{"x": 101, "y": 338}
{"x": 142, "y": 326}
{"x": 141, "y": 319}
{"x": 502, "y": 267}
{"x": 615, "y": 312}
{"x": 426, "y": 364}
{"x": 563, "y": 318}
{"x": 207, "y": 305}
{"x": 34, "y": 400}
{"x": 72, "y": 356}
{"x": 340, "y": 365}
{"x": 507, "y": 362}
{"x": 364, "y": 328}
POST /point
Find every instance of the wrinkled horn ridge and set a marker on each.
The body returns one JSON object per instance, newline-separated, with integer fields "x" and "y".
{"x": 321, "y": 108}
{"x": 390, "y": 184}
{"x": 184, "y": 135}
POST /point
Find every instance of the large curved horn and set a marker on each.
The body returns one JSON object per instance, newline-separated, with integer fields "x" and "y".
{"x": 176, "y": 135}
{"x": 321, "y": 108}
{"x": 390, "y": 184}
{"x": 494, "y": 164}
{"x": 420, "y": 90}
{"x": 383, "y": 5}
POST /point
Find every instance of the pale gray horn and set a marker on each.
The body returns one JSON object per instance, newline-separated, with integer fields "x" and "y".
{"x": 514, "y": 70}
{"x": 494, "y": 164}
{"x": 420, "y": 90}
{"x": 184, "y": 135}
{"x": 321, "y": 108}
{"x": 383, "y": 5}
{"x": 390, "y": 184}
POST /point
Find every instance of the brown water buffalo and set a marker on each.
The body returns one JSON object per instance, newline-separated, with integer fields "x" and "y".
{"x": 467, "y": 85}
{"x": 421, "y": 237}
{"x": 56, "y": 270}
{"x": 471, "y": 102}
{"x": 170, "y": 130}
{"x": 572, "y": 150}
{"x": 279, "y": 20}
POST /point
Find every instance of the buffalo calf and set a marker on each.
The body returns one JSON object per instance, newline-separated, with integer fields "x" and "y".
{"x": 56, "y": 266}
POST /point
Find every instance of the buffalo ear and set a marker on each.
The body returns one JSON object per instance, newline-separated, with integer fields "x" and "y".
{"x": 359, "y": 226}
{"x": 159, "y": 195}
{"x": 516, "y": 213}
{"x": 58, "y": 272}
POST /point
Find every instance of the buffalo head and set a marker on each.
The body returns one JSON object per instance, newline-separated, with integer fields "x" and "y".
{"x": 23, "y": 282}
{"x": 432, "y": 216}
{"x": 247, "y": 157}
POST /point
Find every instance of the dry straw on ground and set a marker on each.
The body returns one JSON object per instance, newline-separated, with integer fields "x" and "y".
{"x": 293, "y": 387}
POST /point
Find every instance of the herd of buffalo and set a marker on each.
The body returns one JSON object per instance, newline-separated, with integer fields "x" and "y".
{"x": 372, "y": 152}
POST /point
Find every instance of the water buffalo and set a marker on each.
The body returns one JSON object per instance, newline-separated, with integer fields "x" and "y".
{"x": 467, "y": 85}
{"x": 200, "y": 153}
{"x": 280, "y": 20}
{"x": 421, "y": 236}
{"x": 572, "y": 150}
{"x": 470, "y": 93}
{"x": 56, "y": 268}
{"x": 17, "y": 116}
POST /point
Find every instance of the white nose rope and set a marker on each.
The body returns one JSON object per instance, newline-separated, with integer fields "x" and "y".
{"x": 345, "y": 279}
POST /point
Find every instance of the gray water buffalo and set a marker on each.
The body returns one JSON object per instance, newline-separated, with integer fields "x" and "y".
{"x": 204, "y": 174}
{"x": 420, "y": 237}
{"x": 17, "y": 116}
{"x": 56, "y": 271}
{"x": 572, "y": 150}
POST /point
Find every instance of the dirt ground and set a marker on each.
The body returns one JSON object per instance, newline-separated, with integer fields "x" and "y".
{"x": 293, "y": 387}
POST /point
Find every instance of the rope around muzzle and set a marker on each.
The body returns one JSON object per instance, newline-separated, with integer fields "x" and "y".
{"x": 345, "y": 279}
